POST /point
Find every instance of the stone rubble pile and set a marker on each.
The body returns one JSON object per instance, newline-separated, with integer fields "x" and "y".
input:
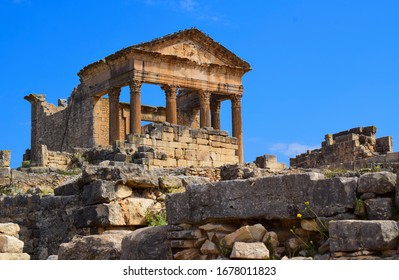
{"x": 222, "y": 241}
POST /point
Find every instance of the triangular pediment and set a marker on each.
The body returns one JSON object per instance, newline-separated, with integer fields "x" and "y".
{"x": 195, "y": 46}
{"x": 190, "y": 50}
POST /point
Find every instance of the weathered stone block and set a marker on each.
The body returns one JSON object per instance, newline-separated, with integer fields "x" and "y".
{"x": 14, "y": 256}
{"x": 201, "y": 141}
{"x": 209, "y": 248}
{"x": 181, "y": 163}
{"x": 253, "y": 233}
{"x": 5, "y": 158}
{"x": 378, "y": 182}
{"x": 278, "y": 197}
{"x": 5, "y": 172}
{"x": 99, "y": 191}
{"x": 10, "y": 229}
{"x": 73, "y": 188}
{"x": 123, "y": 191}
{"x": 100, "y": 215}
{"x": 135, "y": 209}
{"x": 143, "y": 180}
{"x": 91, "y": 173}
{"x": 352, "y": 235}
{"x": 170, "y": 182}
{"x": 250, "y": 251}
{"x": 380, "y": 208}
{"x": 147, "y": 244}
{"x": 106, "y": 246}
{"x": 10, "y": 244}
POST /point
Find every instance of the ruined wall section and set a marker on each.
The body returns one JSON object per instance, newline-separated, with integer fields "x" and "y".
{"x": 60, "y": 128}
{"x": 285, "y": 212}
{"x": 354, "y": 148}
{"x": 101, "y": 122}
{"x": 188, "y": 109}
{"x": 166, "y": 145}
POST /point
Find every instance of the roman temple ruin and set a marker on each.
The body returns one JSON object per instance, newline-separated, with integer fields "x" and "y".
{"x": 196, "y": 73}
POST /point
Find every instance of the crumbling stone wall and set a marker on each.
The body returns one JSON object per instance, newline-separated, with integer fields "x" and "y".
{"x": 180, "y": 146}
{"x": 53, "y": 159}
{"x": 286, "y": 216}
{"x": 44, "y": 222}
{"x": 112, "y": 196}
{"x": 353, "y": 149}
{"x": 63, "y": 127}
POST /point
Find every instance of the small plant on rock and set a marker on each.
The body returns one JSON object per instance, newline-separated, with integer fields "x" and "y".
{"x": 156, "y": 218}
{"x": 319, "y": 226}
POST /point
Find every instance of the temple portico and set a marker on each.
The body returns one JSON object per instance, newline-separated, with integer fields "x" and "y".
{"x": 195, "y": 73}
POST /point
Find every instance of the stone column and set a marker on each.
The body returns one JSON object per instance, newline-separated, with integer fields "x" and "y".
{"x": 204, "y": 100}
{"x": 135, "y": 107}
{"x": 171, "y": 109}
{"x": 114, "y": 127}
{"x": 215, "y": 114}
{"x": 237, "y": 125}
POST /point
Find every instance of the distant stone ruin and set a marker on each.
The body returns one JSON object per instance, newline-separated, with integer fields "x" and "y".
{"x": 197, "y": 75}
{"x": 353, "y": 149}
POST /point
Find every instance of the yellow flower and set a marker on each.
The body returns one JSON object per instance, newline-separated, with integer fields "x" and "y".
{"x": 299, "y": 215}
{"x": 307, "y": 203}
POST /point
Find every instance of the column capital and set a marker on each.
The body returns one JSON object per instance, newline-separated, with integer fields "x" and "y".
{"x": 204, "y": 96}
{"x": 235, "y": 101}
{"x": 114, "y": 93}
{"x": 135, "y": 86}
{"x": 170, "y": 90}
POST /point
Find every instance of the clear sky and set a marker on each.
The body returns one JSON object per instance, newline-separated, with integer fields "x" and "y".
{"x": 318, "y": 66}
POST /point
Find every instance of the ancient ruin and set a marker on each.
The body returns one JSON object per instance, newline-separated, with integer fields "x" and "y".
{"x": 96, "y": 184}
{"x": 197, "y": 75}
{"x": 353, "y": 149}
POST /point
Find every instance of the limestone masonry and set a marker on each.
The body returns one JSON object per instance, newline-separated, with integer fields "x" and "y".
{"x": 356, "y": 148}
{"x": 197, "y": 75}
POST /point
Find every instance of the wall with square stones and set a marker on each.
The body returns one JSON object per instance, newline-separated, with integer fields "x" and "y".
{"x": 300, "y": 214}
{"x": 63, "y": 127}
{"x": 169, "y": 145}
{"x": 353, "y": 149}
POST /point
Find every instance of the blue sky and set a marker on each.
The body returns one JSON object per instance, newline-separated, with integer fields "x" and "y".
{"x": 318, "y": 66}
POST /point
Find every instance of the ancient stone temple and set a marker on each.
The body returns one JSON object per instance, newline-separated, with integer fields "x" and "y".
{"x": 196, "y": 73}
